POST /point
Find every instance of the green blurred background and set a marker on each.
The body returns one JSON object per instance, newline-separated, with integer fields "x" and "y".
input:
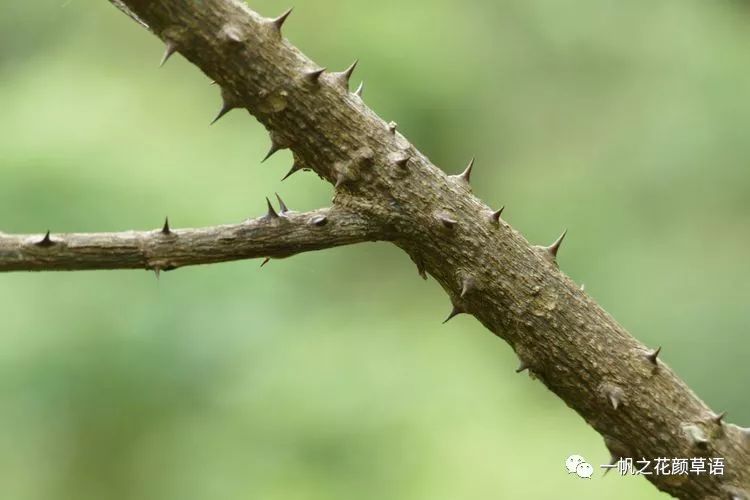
{"x": 329, "y": 376}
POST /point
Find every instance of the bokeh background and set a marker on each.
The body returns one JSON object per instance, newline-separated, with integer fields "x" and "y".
{"x": 329, "y": 375}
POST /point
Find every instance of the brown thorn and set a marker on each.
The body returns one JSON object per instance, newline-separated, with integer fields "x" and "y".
{"x": 653, "y": 356}
{"x": 718, "y": 419}
{"x": 279, "y": 21}
{"x": 45, "y": 242}
{"x": 314, "y": 75}
{"x": 275, "y": 148}
{"x": 265, "y": 261}
{"x": 271, "y": 212}
{"x": 165, "y": 230}
{"x": 282, "y": 205}
{"x": 555, "y": 247}
{"x": 225, "y": 108}
{"x": 496, "y": 215}
{"x": 344, "y": 76}
{"x": 454, "y": 312}
{"x": 522, "y": 367}
{"x": 403, "y": 162}
{"x": 466, "y": 174}
{"x": 295, "y": 168}
{"x": 169, "y": 51}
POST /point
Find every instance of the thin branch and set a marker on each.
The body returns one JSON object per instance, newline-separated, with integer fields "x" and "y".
{"x": 164, "y": 249}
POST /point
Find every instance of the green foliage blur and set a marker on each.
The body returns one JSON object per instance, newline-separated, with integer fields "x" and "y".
{"x": 329, "y": 376}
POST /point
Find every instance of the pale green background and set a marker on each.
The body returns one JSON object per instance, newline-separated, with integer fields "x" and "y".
{"x": 329, "y": 376}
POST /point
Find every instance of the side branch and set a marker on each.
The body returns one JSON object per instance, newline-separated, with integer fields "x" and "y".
{"x": 275, "y": 235}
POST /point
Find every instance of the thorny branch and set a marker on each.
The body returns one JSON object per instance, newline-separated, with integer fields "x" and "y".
{"x": 391, "y": 191}
{"x": 277, "y": 234}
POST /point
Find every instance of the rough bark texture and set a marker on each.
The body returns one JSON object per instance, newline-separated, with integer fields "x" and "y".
{"x": 275, "y": 235}
{"x": 621, "y": 388}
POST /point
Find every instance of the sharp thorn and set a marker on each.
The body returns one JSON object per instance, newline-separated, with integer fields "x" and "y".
{"x": 265, "y": 261}
{"x": 314, "y": 75}
{"x": 454, "y": 312}
{"x": 275, "y": 148}
{"x": 496, "y": 215}
{"x": 522, "y": 367}
{"x": 360, "y": 90}
{"x": 225, "y": 108}
{"x": 169, "y": 50}
{"x": 718, "y": 419}
{"x": 157, "y": 273}
{"x": 45, "y": 242}
{"x": 466, "y": 174}
{"x": 653, "y": 356}
{"x": 279, "y": 21}
{"x": 343, "y": 77}
{"x": 271, "y": 212}
{"x": 403, "y": 162}
{"x": 282, "y": 205}
{"x": 165, "y": 230}
{"x": 294, "y": 169}
{"x": 555, "y": 247}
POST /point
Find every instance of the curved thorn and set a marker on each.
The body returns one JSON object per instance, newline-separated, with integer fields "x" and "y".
{"x": 466, "y": 174}
{"x": 314, "y": 75}
{"x": 320, "y": 220}
{"x": 275, "y": 148}
{"x": 165, "y": 230}
{"x": 342, "y": 78}
{"x": 271, "y": 212}
{"x": 293, "y": 170}
{"x": 169, "y": 51}
{"x": 225, "y": 108}
{"x": 448, "y": 222}
{"x": 653, "y": 356}
{"x": 555, "y": 247}
{"x": 496, "y": 215}
{"x": 45, "y": 242}
{"x": 454, "y": 312}
{"x": 360, "y": 90}
{"x": 282, "y": 205}
{"x": 279, "y": 21}
{"x": 522, "y": 367}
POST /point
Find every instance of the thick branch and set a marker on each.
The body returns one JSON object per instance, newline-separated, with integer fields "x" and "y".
{"x": 274, "y": 235}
